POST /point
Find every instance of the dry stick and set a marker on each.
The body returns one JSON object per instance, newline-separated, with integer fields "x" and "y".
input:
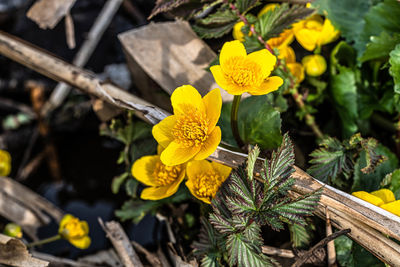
{"x": 367, "y": 221}
{"x": 330, "y": 247}
{"x": 272, "y": 251}
{"x": 121, "y": 243}
{"x": 310, "y": 120}
{"x": 96, "y": 32}
{"x": 320, "y": 244}
{"x": 70, "y": 31}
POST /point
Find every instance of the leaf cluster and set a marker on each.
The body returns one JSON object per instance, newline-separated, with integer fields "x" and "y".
{"x": 334, "y": 161}
{"x": 247, "y": 202}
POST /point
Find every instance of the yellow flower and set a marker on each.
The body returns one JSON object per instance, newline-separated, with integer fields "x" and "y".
{"x": 314, "y": 32}
{"x": 368, "y": 197}
{"x": 314, "y": 65}
{"x": 237, "y": 31}
{"x": 75, "y": 231}
{"x": 283, "y": 40}
{"x": 205, "y": 178}
{"x": 163, "y": 181}
{"x": 13, "y": 230}
{"x": 239, "y": 73}
{"x": 393, "y": 207}
{"x": 294, "y": 67}
{"x": 5, "y": 163}
{"x": 385, "y": 194}
{"x": 191, "y": 133}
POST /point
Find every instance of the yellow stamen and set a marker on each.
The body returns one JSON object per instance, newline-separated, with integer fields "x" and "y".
{"x": 165, "y": 175}
{"x": 207, "y": 184}
{"x": 191, "y": 129}
{"x": 243, "y": 72}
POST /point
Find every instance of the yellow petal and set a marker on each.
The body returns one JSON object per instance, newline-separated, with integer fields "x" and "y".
{"x": 82, "y": 243}
{"x": 328, "y": 33}
{"x": 186, "y": 98}
{"x": 213, "y": 104}
{"x": 197, "y": 167}
{"x": 210, "y": 145}
{"x": 314, "y": 65}
{"x": 287, "y": 53}
{"x": 231, "y": 49}
{"x": 85, "y": 227}
{"x": 219, "y": 77}
{"x": 143, "y": 169}
{"x": 368, "y": 197}
{"x": 265, "y": 59}
{"x": 307, "y": 38}
{"x": 64, "y": 221}
{"x": 385, "y": 194}
{"x": 175, "y": 154}
{"x": 237, "y": 31}
{"x": 393, "y": 207}
{"x": 269, "y": 85}
{"x": 297, "y": 70}
{"x": 160, "y": 149}
{"x": 267, "y": 8}
{"x": 156, "y": 193}
{"x": 190, "y": 186}
{"x": 223, "y": 170}
{"x": 162, "y": 131}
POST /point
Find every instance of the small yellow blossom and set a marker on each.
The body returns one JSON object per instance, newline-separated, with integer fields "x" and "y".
{"x": 239, "y": 73}
{"x": 314, "y": 65}
{"x": 5, "y": 163}
{"x": 368, "y": 197}
{"x": 205, "y": 178}
{"x": 163, "y": 181}
{"x": 393, "y": 207}
{"x": 75, "y": 231}
{"x": 283, "y": 40}
{"x": 237, "y": 31}
{"x": 385, "y": 194}
{"x": 13, "y": 230}
{"x": 191, "y": 133}
{"x": 294, "y": 67}
{"x": 267, "y": 8}
{"x": 314, "y": 32}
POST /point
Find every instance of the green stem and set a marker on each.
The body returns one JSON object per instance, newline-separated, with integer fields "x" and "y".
{"x": 44, "y": 241}
{"x": 234, "y": 120}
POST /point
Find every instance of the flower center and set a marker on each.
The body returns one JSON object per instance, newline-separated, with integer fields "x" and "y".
{"x": 73, "y": 229}
{"x": 243, "y": 72}
{"x": 191, "y": 129}
{"x": 207, "y": 184}
{"x": 165, "y": 175}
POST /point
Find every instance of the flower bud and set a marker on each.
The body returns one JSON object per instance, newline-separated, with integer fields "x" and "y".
{"x": 13, "y": 230}
{"x": 314, "y": 65}
{"x": 5, "y": 163}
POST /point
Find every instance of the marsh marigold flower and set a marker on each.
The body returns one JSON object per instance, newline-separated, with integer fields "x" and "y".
{"x": 314, "y": 32}
{"x": 163, "y": 181}
{"x": 5, "y": 163}
{"x": 205, "y": 178}
{"x": 294, "y": 67}
{"x": 314, "y": 65}
{"x": 191, "y": 133}
{"x": 239, "y": 73}
{"x": 75, "y": 231}
{"x": 383, "y": 198}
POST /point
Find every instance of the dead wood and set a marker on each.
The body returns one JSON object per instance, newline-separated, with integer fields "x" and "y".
{"x": 367, "y": 222}
{"x": 121, "y": 243}
{"x": 14, "y": 253}
{"x": 47, "y": 13}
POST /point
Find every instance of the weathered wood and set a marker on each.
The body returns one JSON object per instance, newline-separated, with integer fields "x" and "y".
{"x": 172, "y": 55}
{"x": 367, "y": 222}
{"x": 47, "y": 13}
{"x": 14, "y": 253}
{"x": 121, "y": 243}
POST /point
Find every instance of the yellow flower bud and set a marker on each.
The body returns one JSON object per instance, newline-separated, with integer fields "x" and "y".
{"x": 393, "y": 207}
{"x": 368, "y": 197}
{"x": 5, "y": 163}
{"x": 13, "y": 230}
{"x": 385, "y": 194}
{"x": 237, "y": 31}
{"x": 314, "y": 65}
{"x": 75, "y": 231}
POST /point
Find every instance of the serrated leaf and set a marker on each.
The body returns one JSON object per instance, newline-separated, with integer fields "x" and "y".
{"x": 394, "y": 70}
{"x": 251, "y": 161}
{"x": 164, "y": 6}
{"x": 117, "y": 182}
{"x": 394, "y": 185}
{"x": 372, "y": 158}
{"x": 220, "y": 17}
{"x": 299, "y": 235}
{"x": 380, "y": 46}
{"x": 213, "y": 32}
{"x": 245, "y": 5}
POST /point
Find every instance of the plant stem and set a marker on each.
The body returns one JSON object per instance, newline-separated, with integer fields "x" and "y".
{"x": 44, "y": 241}
{"x": 234, "y": 120}
{"x": 309, "y": 118}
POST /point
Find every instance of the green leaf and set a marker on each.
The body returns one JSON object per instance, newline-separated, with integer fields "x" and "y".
{"x": 394, "y": 70}
{"x": 213, "y": 31}
{"x": 300, "y": 235}
{"x": 343, "y": 247}
{"x": 251, "y": 161}
{"x": 131, "y": 187}
{"x": 117, "y": 182}
{"x": 220, "y": 17}
{"x": 225, "y": 124}
{"x": 371, "y": 182}
{"x": 135, "y": 210}
{"x": 259, "y": 122}
{"x": 394, "y": 184}
{"x": 364, "y": 258}
{"x": 246, "y": 5}
{"x": 347, "y": 16}
{"x": 380, "y": 46}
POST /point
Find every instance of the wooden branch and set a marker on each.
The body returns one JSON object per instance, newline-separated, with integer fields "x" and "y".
{"x": 121, "y": 243}
{"x": 57, "y": 261}
{"x": 14, "y": 253}
{"x": 272, "y": 251}
{"x": 86, "y": 50}
{"x": 367, "y": 222}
